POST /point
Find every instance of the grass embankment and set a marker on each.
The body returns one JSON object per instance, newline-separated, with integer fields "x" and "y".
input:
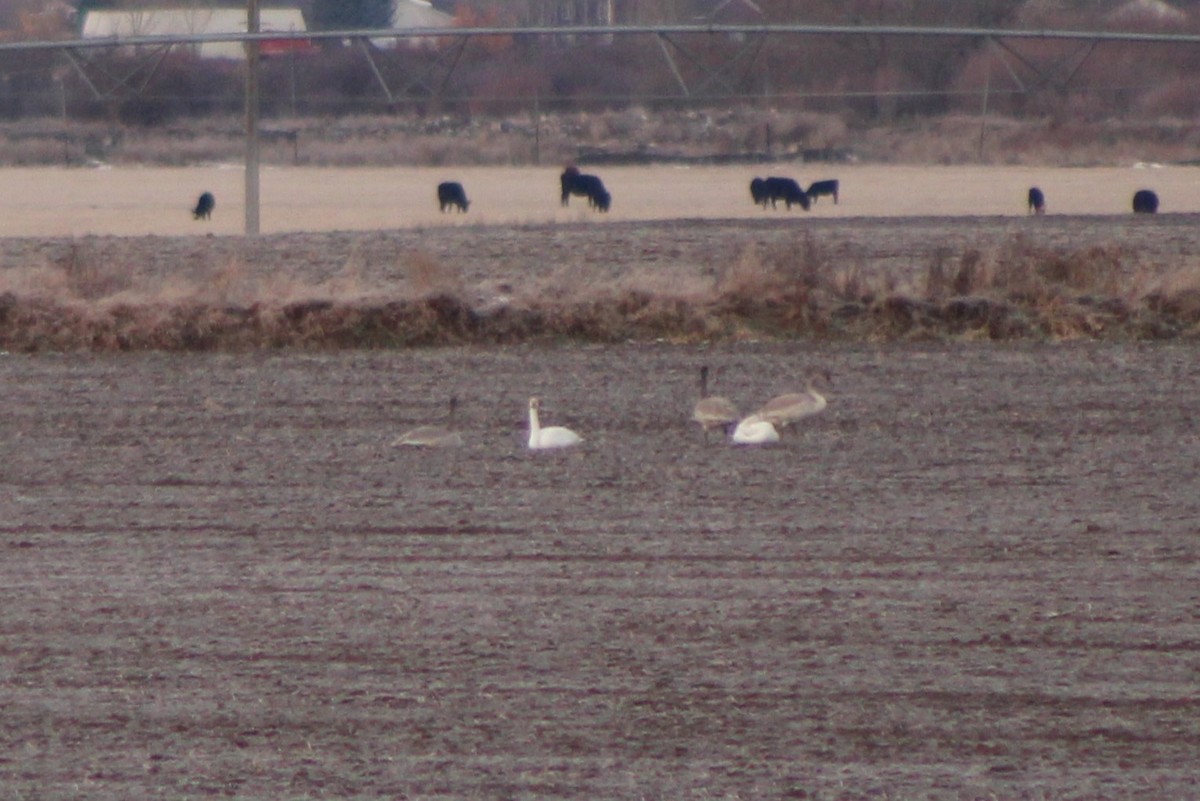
{"x": 1011, "y": 292}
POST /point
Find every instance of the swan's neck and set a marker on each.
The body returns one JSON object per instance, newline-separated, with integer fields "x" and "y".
{"x": 534, "y": 425}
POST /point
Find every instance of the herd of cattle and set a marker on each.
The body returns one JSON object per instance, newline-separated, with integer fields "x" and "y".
{"x": 773, "y": 189}
{"x": 763, "y": 191}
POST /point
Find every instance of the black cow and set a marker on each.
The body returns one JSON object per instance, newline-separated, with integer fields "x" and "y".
{"x": 758, "y": 191}
{"x": 567, "y": 182}
{"x": 1037, "y": 201}
{"x": 451, "y": 193}
{"x": 826, "y": 187}
{"x": 204, "y": 206}
{"x": 600, "y": 199}
{"x": 1145, "y": 202}
{"x": 574, "y": 182}
{"x": 787, "y": 190}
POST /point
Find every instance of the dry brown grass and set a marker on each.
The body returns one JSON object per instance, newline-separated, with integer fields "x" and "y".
{"x": 427, "y": 276}
{"x": 1012, "y": 290}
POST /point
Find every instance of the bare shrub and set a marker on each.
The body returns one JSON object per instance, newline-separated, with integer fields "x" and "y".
{"x": 1099, "y": 270}
{"x": 937, "y": 282}
{"x": 763, "y": 275}
{"x": 426, "y": 275}
{"x": 88, "y": 280}
{"x": 682, "y": 284}
{"x": 347, "y": 283}
{"x": 1176, "y": 293}
{"x": 969, "y": 266}
{"x": 748, "y": 276}
{"x": 178, "y": 150}
{"x": 850, "y": 283}
{"x": 38, "y": 281}
{"x": 778, "y": 290}
{"x": 1020, "y": 271}
{"x": 231, "y": 285}
{"x": 37, "y": 151}
{"x": 76, "y": 276}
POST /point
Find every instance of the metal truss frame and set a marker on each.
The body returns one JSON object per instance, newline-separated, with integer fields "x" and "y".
{"x": 681, "y": 46}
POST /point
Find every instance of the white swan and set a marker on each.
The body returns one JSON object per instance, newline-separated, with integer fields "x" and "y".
{"x": 433, "y": 436}
{"x": 551, "y": 436}
{"x": 754, "y": 430}
{"x": 712, "y": 412}
{"x": 783, "y": 410}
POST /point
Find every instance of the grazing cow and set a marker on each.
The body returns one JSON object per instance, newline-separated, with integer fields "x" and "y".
{"x": 575, "y": 182}
{"x": 787, "y": 190}
{"x": 204, "y": 206}
{"x": 758, "y": 191}
{"x": 1145, "y": 202}
{"x": 451, "y": 193}
{"x": 567, "y": 181}
{"x": 826, "y": 187}
{"x": 600, "y": 199}
{"x": 1037, "y": 201}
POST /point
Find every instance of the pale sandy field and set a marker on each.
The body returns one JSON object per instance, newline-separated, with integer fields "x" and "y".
{"x": 156, "y": 201}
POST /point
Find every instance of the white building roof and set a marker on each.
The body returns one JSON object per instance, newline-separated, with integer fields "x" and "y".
{"x": 414, "y": 14}
{"x": 419, "y": 14}
{"x": 1149, "y": 10}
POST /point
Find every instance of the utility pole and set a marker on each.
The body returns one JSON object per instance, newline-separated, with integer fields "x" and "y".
{"x": 252, "y": 26}
{"x": 987, "y": 86}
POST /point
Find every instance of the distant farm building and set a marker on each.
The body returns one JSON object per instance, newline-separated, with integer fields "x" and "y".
{"x": 113, "y": 24}
{"x": 573, "y": 12}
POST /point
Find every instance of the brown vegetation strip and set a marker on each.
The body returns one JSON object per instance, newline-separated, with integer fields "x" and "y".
{"x": 1016, "y": 290}
{"x": 31, "y": 325}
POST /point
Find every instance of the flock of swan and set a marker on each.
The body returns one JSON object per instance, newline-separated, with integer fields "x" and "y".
{"x": 761, "y": 426}
{"x": 757, "y": 428}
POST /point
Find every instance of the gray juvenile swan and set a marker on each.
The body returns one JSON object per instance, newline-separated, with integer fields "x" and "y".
{"x": 713, "y": 411}
{"x": 434, "y": 436}
{"x": 783, "y": 410}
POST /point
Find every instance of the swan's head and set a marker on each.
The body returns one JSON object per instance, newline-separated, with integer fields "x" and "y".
{"x": 534, "y": 404}
{"x": 820, "y": 378}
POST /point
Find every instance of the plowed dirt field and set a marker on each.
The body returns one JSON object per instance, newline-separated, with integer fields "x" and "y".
{"x": 976, "y": 575}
